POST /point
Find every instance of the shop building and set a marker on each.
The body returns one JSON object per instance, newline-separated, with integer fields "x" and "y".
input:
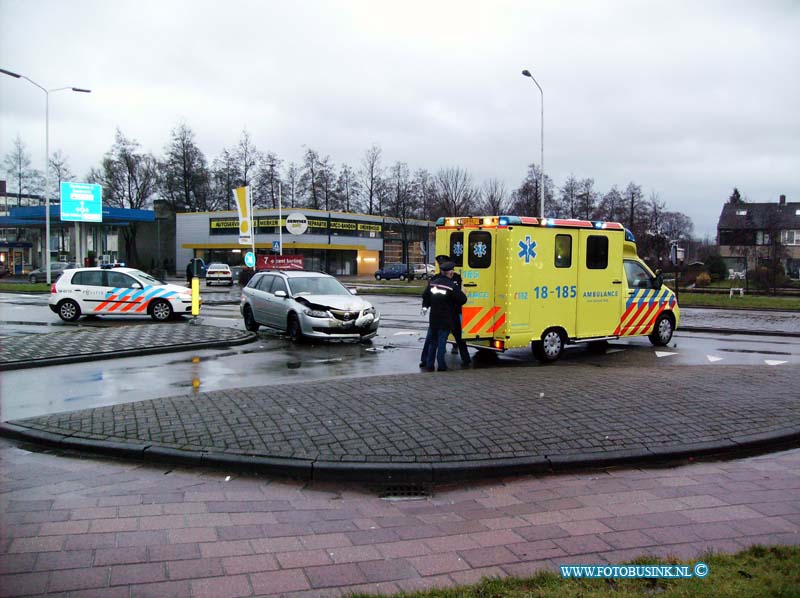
{"x": 338, "y": 243}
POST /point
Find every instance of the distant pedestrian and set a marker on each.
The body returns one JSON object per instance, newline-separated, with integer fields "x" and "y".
{"x": 440, "y": 298}
{"x": 189, "y": 271}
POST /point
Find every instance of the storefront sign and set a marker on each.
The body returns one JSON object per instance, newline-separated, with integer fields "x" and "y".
{"x": 280, "y": 262}
{"x": 296, "y": 223}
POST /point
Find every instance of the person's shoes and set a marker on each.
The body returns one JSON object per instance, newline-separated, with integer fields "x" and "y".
{"x": 427, "y": 369}
{"x": 422, "y": 364}
{"x": 442, "y": 369}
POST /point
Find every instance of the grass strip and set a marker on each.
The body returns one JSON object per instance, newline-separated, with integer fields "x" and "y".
{"x": 758, "y": 571}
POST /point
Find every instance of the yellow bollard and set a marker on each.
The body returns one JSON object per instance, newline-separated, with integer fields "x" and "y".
{"x": 195, "y": 296}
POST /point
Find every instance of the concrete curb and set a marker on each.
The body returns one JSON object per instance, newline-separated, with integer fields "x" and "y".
{"x": 398, "y": 473}
{"x": 248, "y": 337}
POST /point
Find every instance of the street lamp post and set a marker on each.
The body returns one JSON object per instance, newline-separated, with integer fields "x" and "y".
{"x": 527, "y": 73}
{"x": 47, "y": 93}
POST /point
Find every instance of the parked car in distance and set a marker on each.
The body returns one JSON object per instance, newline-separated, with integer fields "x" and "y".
{"x": 116, "y": 291}
{"x": 219, "y": 274}
{"x": 424, "y": 271}
{"x": 56, "y": 269}
{"x": 392, "y": 271}
{"x": 306, "y": 305}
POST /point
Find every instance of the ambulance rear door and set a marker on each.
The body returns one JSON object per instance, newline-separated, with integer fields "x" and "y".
{"x": 474, "y": 252}
{"x": 600, "y": 285}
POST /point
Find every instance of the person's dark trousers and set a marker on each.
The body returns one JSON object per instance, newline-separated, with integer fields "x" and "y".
{"x": 462, "y": 346}
{"x": 437, "y": 347}
{"x": 423, "y": 359}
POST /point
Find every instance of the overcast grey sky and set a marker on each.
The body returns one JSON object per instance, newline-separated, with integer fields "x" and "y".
{"x": 686, "y": 98}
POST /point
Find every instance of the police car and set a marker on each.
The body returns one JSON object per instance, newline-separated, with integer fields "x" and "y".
{"x": 116, "y": 291}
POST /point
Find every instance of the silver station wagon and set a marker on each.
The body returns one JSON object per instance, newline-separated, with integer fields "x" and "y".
{"x": 306, "y": 304}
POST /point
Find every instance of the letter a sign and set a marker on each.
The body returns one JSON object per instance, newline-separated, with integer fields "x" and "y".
{"x": 245, "y": 205}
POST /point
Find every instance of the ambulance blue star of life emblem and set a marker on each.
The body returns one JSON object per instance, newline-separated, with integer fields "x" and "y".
{"x": 479, "y": 249}
{"x": 458, "y": 249}
{"x": 527, "y": 249}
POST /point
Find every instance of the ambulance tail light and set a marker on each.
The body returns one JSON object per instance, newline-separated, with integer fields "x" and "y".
{"x": 498, "y": 344}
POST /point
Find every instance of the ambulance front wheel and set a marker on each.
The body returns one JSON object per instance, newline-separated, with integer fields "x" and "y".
{"x": 550, "y": 348}
{"x": 662, "y": 331}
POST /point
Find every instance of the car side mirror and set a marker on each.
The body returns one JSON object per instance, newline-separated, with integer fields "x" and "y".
{"x": 136, "y": 285}
{"x": 658, "y": 281}
{"x": 281, "y": 294}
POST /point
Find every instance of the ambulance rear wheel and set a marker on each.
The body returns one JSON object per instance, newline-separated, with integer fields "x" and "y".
{"x": 550, "y": 348}
{"x": 662, "y": 331}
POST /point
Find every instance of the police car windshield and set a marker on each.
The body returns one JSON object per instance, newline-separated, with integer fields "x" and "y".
{"x": 316, "y": 285}
{"x": 144, "y": 277}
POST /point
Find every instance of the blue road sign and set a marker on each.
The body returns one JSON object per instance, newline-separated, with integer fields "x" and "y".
{"x": 81, "y": 202}
{"x": 276, "y": 246}
{"x": 249, "y": 259}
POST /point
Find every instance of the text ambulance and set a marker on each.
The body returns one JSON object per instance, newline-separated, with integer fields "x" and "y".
{"x": 547, "y": 282}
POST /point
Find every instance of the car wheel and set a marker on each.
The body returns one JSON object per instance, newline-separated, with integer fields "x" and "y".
{"x": 249, "y": 321}
{"x": 32, "y": 279}
{"x": 161, "y": 310}
{"x": 293, "y": 330}
{"x": 377, "y": 277}
{"x": 68, "y": 310}
{"x": 550, "y": 348}
{"x": 662, "y": 331}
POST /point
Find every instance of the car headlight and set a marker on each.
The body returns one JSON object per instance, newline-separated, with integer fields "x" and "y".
{"x": 316, "y": 313}
{"x": 369, "y": 310}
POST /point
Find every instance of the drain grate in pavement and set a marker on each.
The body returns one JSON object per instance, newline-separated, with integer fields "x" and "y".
{"x": 404, "y": 492}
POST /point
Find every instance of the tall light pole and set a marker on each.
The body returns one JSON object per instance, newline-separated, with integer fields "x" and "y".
{"x": 47, "y": 93}
{"x": 527, "y": 73}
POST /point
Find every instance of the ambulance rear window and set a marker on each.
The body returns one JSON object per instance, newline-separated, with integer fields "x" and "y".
{"x": 597, "y": 252}
{"x": 480, "y": 249}
{"x": 457, "y": 248}
{"x": 563, "y": 251}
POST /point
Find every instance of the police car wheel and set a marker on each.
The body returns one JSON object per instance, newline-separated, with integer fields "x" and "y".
{"x": 161, "y": 311}
{"x": 662, "y": 332}
{"x": 551, "y": 346}
{"x": 249, "y": 321}
{"x": 68, "y": 310}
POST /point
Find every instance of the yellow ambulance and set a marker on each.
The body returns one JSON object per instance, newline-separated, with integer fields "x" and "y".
{"x": 545, "y": 283}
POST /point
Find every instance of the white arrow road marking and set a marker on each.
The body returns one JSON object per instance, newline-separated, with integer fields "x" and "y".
{"x": 774, "y": 362}
{"x": 405, "y": 333}
{"x": 664, "y": 354}
{"x": 712, "y": 358}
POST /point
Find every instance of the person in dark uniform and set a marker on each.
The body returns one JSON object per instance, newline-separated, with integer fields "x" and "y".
{"x": 459, "y": 345}
{"x": 441, "y": 297}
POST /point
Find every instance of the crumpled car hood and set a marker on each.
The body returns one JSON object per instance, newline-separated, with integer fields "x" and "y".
{"x": 342, "y": 302}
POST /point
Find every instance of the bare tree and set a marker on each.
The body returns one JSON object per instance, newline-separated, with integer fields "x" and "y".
{"x": 568, "y": 205}
{"x": 225, "y": 175}
{"x": 184, "y": 172}
{"x": 309, "y": 178}
{"x": 494, "y": 199}
{"x": 292, "y": 183}
{"x": 635, "y": 201}
{"x": 268, "y": 178}
{"x": 587, "y": 199}
{"x": 129, "y": 179}
{"x": 17, "y": 164}
{"x": 59, "y": 172}
{"x": 246, "y": 159}
{"x": 457, "y": 194}
{"x": 327, "y": 181}
{"x": 612, "y": 206}
{"x": 371, "y": 174}
{"x": 526, "y": 199}
{"x": 347, "y": 189}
